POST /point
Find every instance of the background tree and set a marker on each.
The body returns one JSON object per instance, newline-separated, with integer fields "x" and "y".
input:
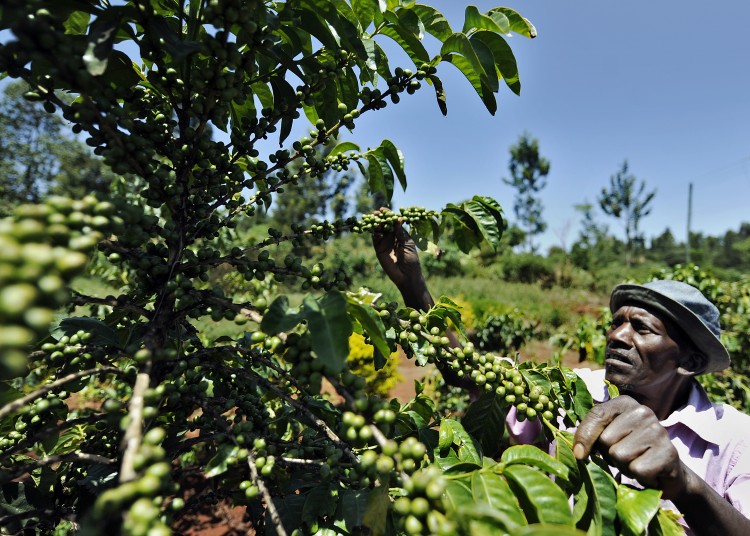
{"x": 37, "y": 155}
{"x": 528, "y": 172}
{"x": 627, "y": 200}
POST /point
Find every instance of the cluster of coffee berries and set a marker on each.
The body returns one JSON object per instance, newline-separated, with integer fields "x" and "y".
{"x": 500, "y": 376}
{"x": 42, "y": 247}
{"x": 421, "y": 509}
{"x": 384, "y": 219}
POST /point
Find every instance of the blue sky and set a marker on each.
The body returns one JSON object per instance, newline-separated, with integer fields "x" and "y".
{"x": 662, "y": 84}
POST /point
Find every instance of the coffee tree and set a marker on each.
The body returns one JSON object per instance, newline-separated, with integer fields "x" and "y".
{"x": 123, "y": 415}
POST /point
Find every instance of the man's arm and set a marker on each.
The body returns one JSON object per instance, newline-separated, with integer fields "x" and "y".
{"x": 630, "y": 437}
{"x": 397, "y": 255}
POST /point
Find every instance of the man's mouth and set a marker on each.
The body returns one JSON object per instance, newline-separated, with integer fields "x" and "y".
{"x": 611, "y": 356}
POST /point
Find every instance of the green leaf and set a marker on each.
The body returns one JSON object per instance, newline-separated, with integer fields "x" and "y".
{"x": 77, "y": 23}
{"x": 493, "y": 490}
{"x": 465, "y": 233}
{"x": 547, "y": 529}
{"x": 170, "y": 36}
{"x": 474, "y": 78}
{"x": 485, "y": 421}
{"x": 380, "y": 174}
{"x": 218, "y": 464}
{"x": 489, "y": 228}
{"x": 636, "y": 508}
{"x": 434, "y": 22}
{"x": 319, "y": 501}
{"x": 376, "y": 515}
{"x": 315, "y": 26}
{"x": 600, "y": 501}
{"x": 473, "y": 19}
{"x": 365, "y": 11}
{"x": 408, "y": 41}
{"x": 280, "y": 317}
{"x": 487, "y": 60}
{"x": 439, "y": 93}
{"x": 582, "y": 401}
{"x": 370, "y": 322}
{"x": 283, "y": 95}
{"x": 459, "y": 43}
{"x": 542, "y": 500}
{"x": 458, "y": 494}
{"x": 344, "y": 147}
{"x": 101, "y": 39}
{"x": 535, "y": 457}
{"x": 468, "y": 451}
{"x": 518, "y": 24}
{"x": 352, "y": 506}
{"x": 329, "y": 328}
{"x": 290, "y": 510}
{"x": 505, "y": 60}
{"x": 101, "y": 333}
{"x": 396, "y": 160}
{"x": 564, "y": 454}
{"x": 666, "y": 524}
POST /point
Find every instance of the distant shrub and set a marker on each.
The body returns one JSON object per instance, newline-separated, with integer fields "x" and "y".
{"x": 504, "y": 333}
{"x": 361, "y": 363}
{"x": 444, "y": 262}
{"x": 528, "y": 268}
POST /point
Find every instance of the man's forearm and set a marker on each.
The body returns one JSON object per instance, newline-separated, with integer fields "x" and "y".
{"x": 417, "y": 296}
{"x": 707, "y": 513}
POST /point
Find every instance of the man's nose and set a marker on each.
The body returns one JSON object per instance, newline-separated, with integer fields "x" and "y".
{"x": 620, "y": 335}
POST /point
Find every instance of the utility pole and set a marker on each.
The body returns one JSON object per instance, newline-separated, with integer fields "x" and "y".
{"x": 689, "y": 217}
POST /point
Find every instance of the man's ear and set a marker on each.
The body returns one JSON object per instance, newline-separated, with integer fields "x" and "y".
{"x": 692, "y": 363}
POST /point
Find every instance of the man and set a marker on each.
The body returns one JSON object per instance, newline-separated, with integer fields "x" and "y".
{"x": 663, "y": 431}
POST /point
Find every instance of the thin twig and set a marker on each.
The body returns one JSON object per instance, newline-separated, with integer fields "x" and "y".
{"x": 57, "y": 458}
{"x": 270, "y": 506}
{"x": 20, "y": 402}
{"x": 132, "y": 439}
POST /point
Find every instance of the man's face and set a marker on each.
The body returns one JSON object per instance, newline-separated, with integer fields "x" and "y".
{"x": 642, "y": 351}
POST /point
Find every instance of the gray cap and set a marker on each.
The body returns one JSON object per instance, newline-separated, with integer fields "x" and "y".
{"x": 686, "y": 306}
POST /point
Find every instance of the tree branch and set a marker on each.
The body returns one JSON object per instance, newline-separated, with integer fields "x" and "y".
{"x": 18, "y": 403}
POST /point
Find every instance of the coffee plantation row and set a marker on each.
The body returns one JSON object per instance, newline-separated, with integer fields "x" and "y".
{"x": 118, "y": 415}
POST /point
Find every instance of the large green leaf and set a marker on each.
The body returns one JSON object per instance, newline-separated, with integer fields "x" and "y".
{"x": 319, "y": 501}
{"x": 637, "y": 507}
{"x": 344, "y": 147}
{"x": 329, "y": 328}
{"x": 220, "y": 462}
{"x": 370, "y": 321}
{"x": 487, "y": 60}
{"x": 518, "y": 23}
{"x": 599, "y": 498}
{"x": 533, "y": 456}
{"x": 284, "y": 95}
{"x": 542, "y": 500}
{"x": 352, "y": 507}
{"x": 395, "y": 159}
{"x": 458, "y": 494}
{"x": 546, "y": 529}
{"x": 439, "y": 93}
{"x": 280, "y": 317}
{"x": 485, "y": 421}
{"x": 77, "y": 23}
{"x": 504, "y": 58}
{"x": 376, "y": 516}
{"x": 101, "y": 333}
{"x": 468, "y": 451}
{"x": 343, "y": 28}
{"x": 380, "y": 175}
{"x": 408, "y": 41}
{"x": 486, "y": 221}
{"x": 493, "y": 490}
{"x": 473, "y": 19}
{"x": 434, "y": 22}
{"x": 666, "y": 524}
{"x": 459, "y": 43}
{"x": 365, "y": 11}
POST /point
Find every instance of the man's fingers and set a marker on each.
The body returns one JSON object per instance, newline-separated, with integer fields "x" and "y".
{"x": 596, "y": 421}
